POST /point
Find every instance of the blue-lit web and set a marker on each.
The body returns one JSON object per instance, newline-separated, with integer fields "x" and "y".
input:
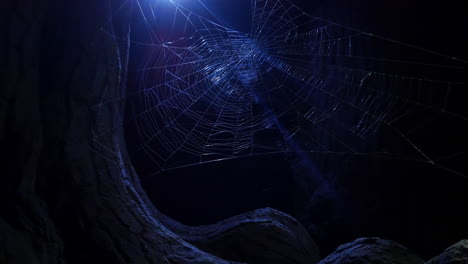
{"x": 294, "y": 83}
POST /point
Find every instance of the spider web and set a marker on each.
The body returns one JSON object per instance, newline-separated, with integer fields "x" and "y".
{"x": 293, "y": 83}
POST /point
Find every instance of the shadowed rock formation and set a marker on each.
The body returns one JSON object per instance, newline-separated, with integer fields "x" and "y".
{"x": 261, "y": 236}
{"x": 456, "y": 254}
{"x": 372, "y": 250}
{"x": 69, "y": 193}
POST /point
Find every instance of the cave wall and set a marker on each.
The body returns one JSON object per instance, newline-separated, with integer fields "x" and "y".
{"x": 69, "y": 193}
{"x": 68, "y": 197}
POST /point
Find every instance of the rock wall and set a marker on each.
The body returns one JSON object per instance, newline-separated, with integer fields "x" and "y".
{"x": 69, "y": 193}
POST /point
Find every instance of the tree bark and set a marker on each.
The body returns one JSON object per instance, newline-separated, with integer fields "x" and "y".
{"x": 69, "y": 193}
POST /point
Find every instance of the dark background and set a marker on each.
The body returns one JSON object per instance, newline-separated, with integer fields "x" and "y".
{"x": 420, "y": 206}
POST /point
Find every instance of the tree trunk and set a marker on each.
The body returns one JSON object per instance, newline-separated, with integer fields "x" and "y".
{"x": 68, "y": 192}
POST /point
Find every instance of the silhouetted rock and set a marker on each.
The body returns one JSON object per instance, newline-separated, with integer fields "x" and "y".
{"x": 265, "y": 236}
{"x": 372, "y": 250}
{"x": 456, "y": 254}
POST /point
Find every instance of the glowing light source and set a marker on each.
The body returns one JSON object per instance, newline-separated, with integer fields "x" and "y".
{"x": 211, "y": 93}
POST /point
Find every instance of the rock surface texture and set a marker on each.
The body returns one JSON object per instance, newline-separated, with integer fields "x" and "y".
{"x": 261, "y": 236}
{"x": 456, "y": 254}
{"x": 69, "y": 193}
{"x": 372, "y": 251}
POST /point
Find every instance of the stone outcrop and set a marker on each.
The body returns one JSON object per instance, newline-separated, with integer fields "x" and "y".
{"x": 265, "y": 236}
{"x": 372, "y": 251}
{"x": 456, "y": 254}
